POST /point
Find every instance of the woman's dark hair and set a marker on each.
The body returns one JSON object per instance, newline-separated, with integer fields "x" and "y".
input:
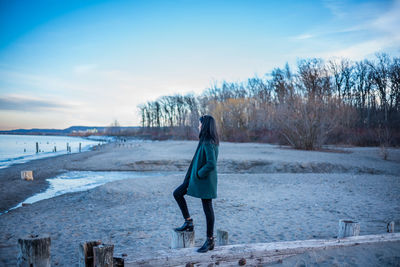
{"x": 208, "y": 129}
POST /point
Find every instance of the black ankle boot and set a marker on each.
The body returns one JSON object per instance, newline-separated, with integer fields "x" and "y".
{"x": 187, "y": 226}
{"x": 208, "y": 245}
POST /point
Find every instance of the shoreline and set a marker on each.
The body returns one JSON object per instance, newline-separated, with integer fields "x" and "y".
{"x": 14, "y": 190}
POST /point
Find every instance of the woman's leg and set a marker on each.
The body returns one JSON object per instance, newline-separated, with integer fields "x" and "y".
{"x": 179, "y": 192}
{"x": 209, "y": 211}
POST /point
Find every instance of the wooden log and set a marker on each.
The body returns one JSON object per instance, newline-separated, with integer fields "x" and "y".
{"x": 27, "y": 175}
{"x": 34, "y": 250}
{"x": 182, "y": 239}
{"x": 255, "y": 254}
{"x": 86, "y": 253}
{"x": 348, "y": 228}
{"x": 222, "y": 237}
{"x": 390, "y": 227}
{"x": 103, "y": 255}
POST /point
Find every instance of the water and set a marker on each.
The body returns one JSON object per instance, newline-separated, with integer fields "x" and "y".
{"x": 22, "y": 148}
{"x": 76, "y": 181}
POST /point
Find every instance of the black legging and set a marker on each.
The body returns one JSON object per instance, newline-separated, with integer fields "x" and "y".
{"x": 180, "y": 191}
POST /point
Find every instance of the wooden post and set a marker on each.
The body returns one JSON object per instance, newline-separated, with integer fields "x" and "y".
{"x": 182, "y": 239}
{"x": 34, "y": 250}
{"x": 55, "y": 149}
{"x": 222, "y": 237}
{"x": 348, "y": 228}
{"x": 80, "y": 147}
{"x": 27, "y": 175}
{"x": 390, "y": 227}
{"x": 103, "y": 255}
{"x": 37, "y": 147}
{"x": 86, "y": 253}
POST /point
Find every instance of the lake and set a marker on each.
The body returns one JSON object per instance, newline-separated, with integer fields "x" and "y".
{"x": 22, "y": 148}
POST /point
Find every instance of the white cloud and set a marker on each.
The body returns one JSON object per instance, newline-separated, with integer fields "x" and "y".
{"x": 382, "y": 28}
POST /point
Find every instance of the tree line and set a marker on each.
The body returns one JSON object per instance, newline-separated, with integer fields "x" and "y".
{"x": 335, "y": 101}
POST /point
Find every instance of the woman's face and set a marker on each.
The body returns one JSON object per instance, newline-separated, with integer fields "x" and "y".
{"x": 199, "y": 126}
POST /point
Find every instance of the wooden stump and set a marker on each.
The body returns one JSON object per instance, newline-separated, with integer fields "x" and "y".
{"x": 86, "y": 253}
{"x": 348, "y": 228}
{"x": 222, "y": 237}
{"x": 390, "y": 227}
{"x": 34, "y": 250}
{"x": 103, "y": 255}
{"x": 184, "y": 239}
{"x": 27, "y": 175}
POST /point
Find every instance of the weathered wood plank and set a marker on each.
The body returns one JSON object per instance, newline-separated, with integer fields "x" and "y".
{"x": 253, "y": 253}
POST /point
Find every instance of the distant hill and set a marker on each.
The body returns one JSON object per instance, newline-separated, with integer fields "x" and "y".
{"x": 73, "y": 130}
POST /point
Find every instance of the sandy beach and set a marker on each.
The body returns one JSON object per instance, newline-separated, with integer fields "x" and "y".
{"x": 266, "y": 193}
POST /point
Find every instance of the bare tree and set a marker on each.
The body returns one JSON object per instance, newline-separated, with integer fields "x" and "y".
{"x": 304, "y": 106}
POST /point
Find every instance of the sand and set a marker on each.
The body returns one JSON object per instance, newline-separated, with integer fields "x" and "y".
{"x": 266, "y": 193}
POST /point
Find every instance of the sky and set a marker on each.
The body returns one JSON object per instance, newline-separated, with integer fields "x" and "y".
{"x": 65, "y": 62}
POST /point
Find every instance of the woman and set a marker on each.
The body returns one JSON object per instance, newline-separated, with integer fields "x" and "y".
{"x": 201, "y": 179}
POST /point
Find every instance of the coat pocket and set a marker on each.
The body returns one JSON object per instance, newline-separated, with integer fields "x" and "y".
{"x": 197, "y": 173}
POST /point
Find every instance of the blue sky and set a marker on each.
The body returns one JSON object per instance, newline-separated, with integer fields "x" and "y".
{"x": 65, "y": 63}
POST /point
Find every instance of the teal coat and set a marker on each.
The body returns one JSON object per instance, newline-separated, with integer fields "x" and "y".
{"x": 202, "y": 171}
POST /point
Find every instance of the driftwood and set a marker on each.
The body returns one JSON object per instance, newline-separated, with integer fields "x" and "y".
{"x": 34, "y": 250}
{"x": 348, "y": 228}
{"x": 182, "y": 239}
{"x": 252, "y": 254}
{"x": 222, "y": 237}
{"x": 27, "y": 175}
